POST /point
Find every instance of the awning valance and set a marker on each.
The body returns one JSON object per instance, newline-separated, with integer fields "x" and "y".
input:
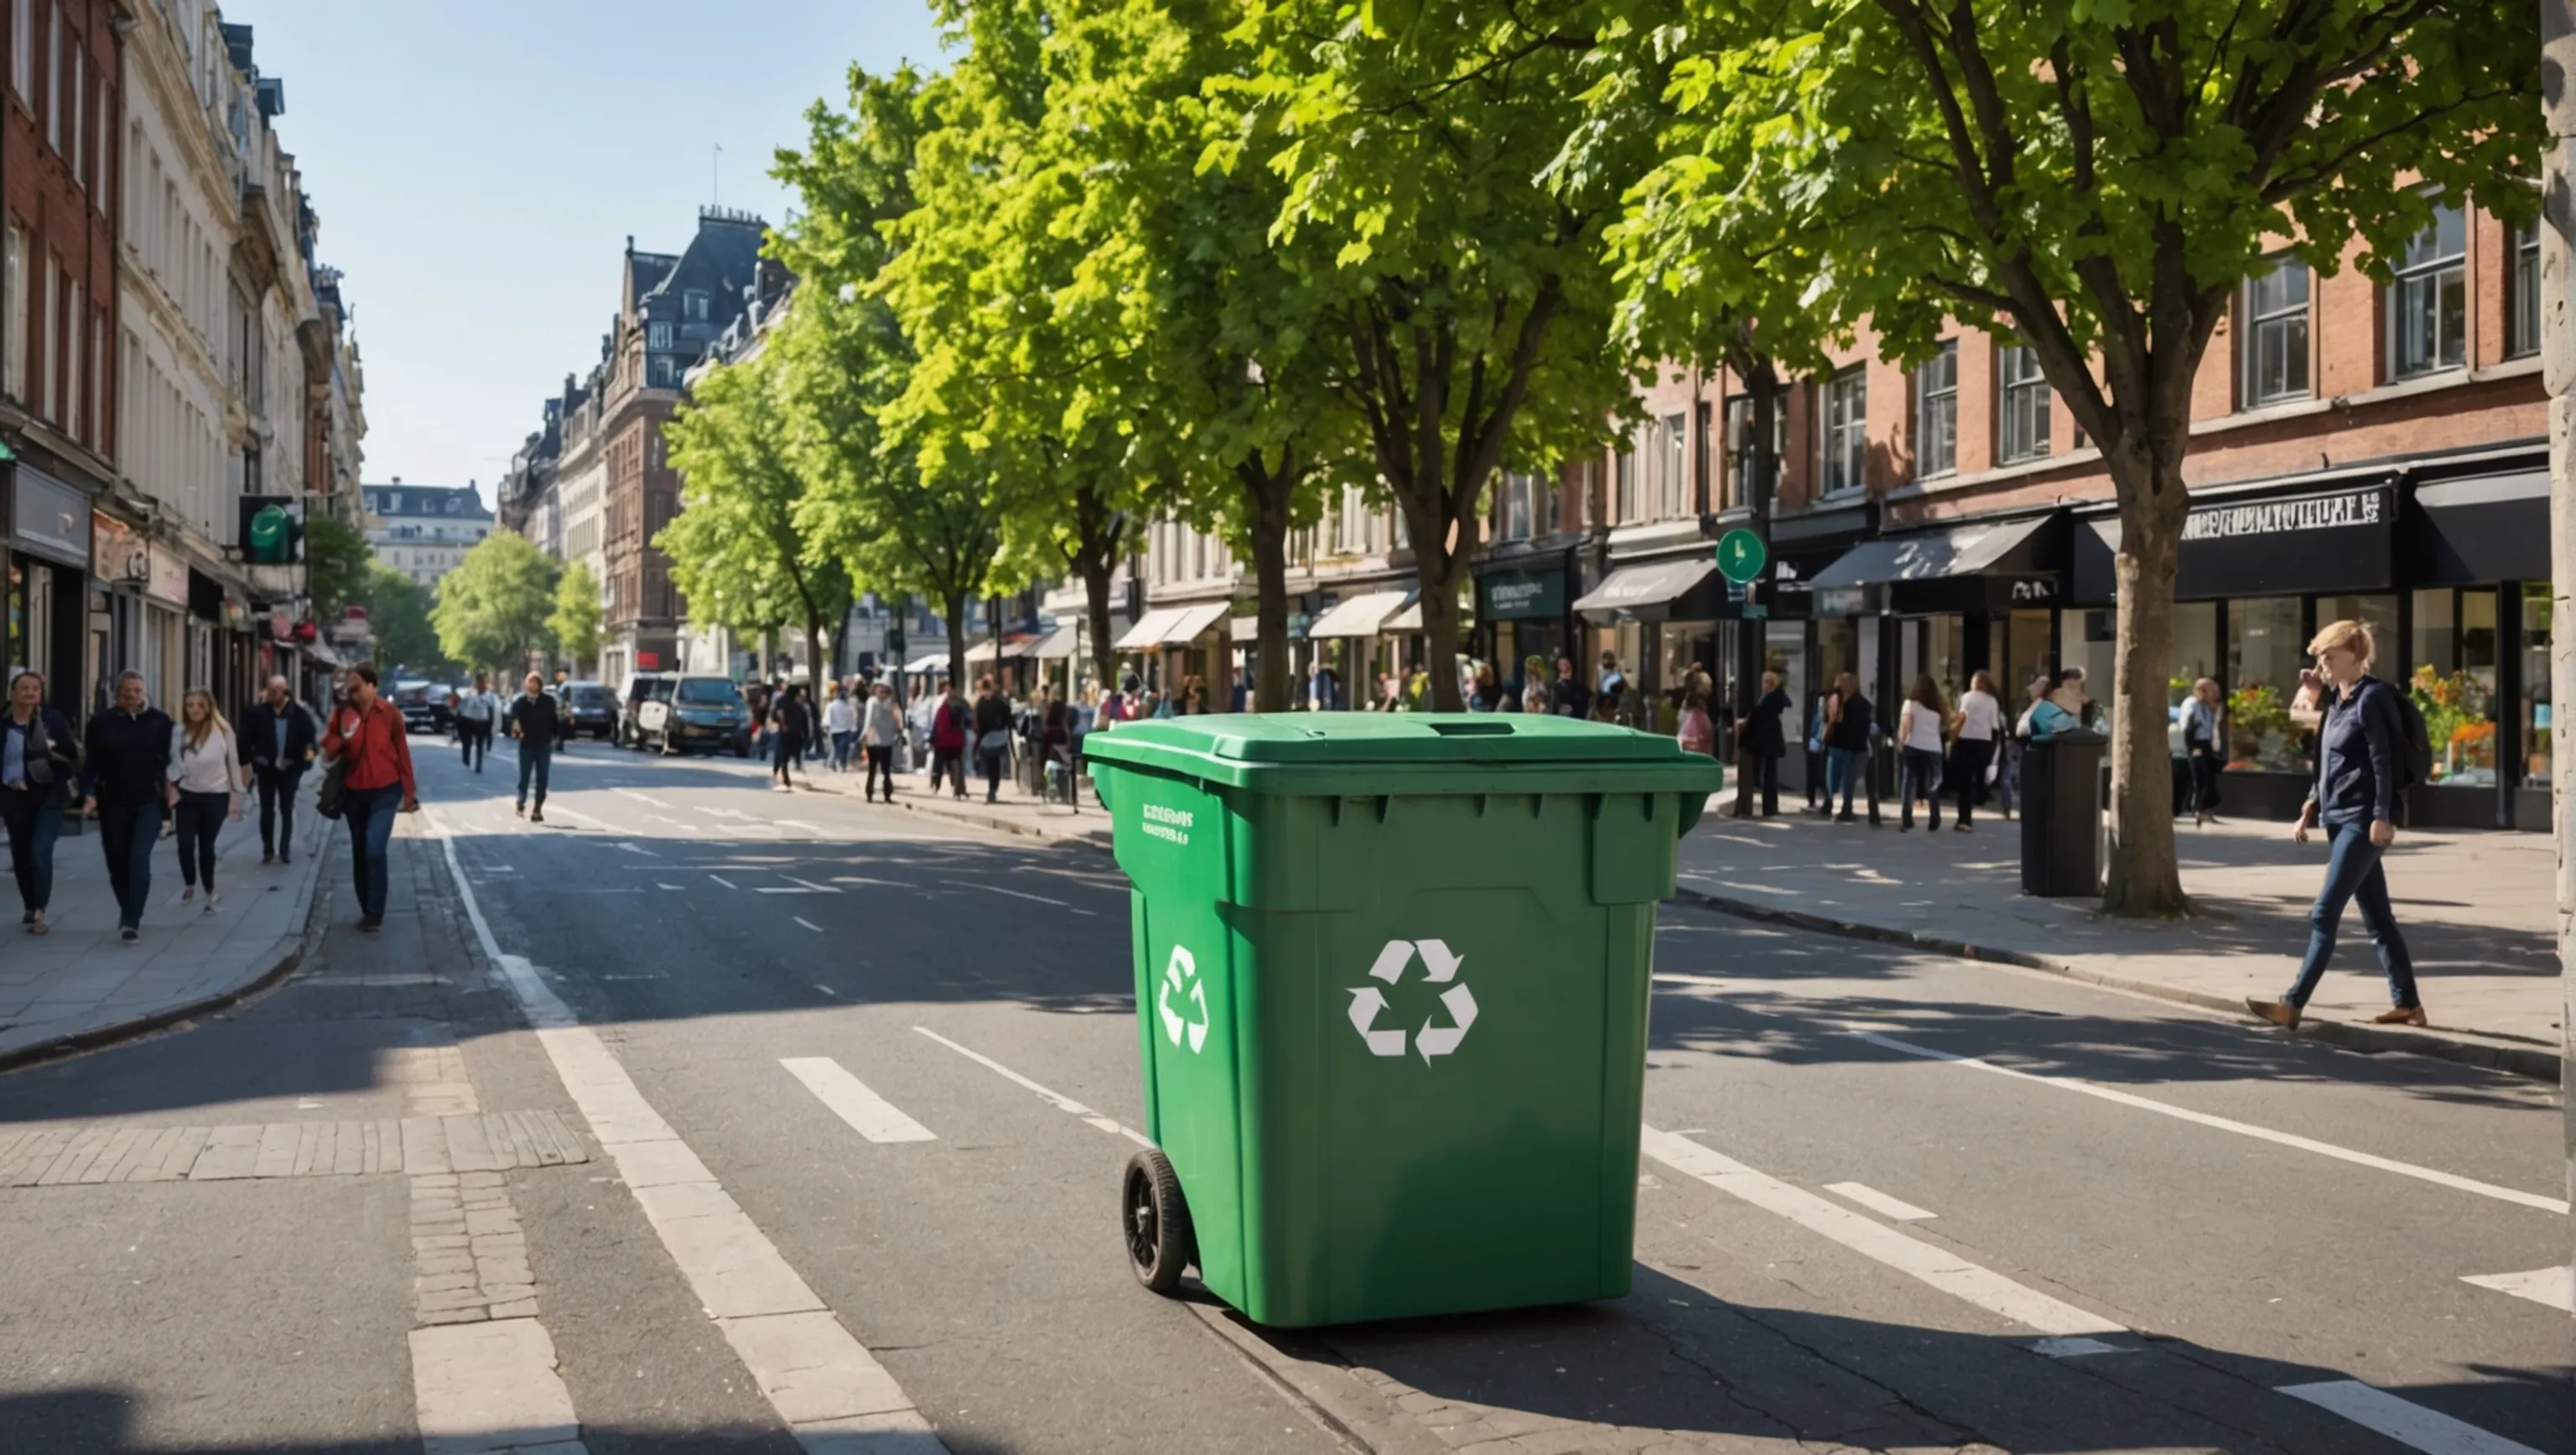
{"x": 1361, "y": 616}
{"x": 933, "y": 662}
{"x": 1961, "y": 550}
{"x": 1647, "y": 590}
{"x": 1057, "y": 645}
{"x": 1192, "y": 620}
{"x": 1149, "y": 630}
{"x": 2489, "y": 529}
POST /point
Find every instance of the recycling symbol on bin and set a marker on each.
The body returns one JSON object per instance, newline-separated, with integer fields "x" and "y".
{"x": 1441, "y": 966}
{"x": 1181, "y": 978}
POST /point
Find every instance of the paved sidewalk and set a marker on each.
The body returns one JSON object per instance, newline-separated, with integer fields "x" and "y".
{"x": 2478, "y": 910}
{"x": 81, "y": 986}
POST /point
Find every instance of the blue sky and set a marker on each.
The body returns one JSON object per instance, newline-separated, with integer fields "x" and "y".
{"x": 478, "y": 166}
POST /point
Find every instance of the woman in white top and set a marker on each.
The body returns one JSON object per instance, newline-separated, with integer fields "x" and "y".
{"x": 841, "y": 720}
{"x": 1918, "y": 735}
{"x": 206, "y": 768}
{"x": 1977, "y": 728}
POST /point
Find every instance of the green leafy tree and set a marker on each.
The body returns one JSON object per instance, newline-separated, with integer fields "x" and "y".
{"x": 1466, "y": 289}
{"x": 398, "y": 617}
{"x": 2100, "y": 181}
{"x": 337, "y": 559}
{"x": 492, "y": 609}
{"x": 738, "y": 550}
{"x": 576, "y": 619}
{"x": 898, "y": 529}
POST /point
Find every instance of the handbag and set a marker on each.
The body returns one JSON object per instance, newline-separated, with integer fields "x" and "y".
{"x": 331, "y": 795}
{"x": 996, "y": 741}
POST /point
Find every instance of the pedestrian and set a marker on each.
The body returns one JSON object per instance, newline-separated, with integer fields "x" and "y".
{"x": 992, "y": 736}
{"x": 125, "y": 770}
{"x": 278, "y": 738}
{"x": 1763, "y": 738}
{"x": 1919, "y": 725}
{"x": 1696, "y": 733}
{"x": 1847, "y": 745}
{"x": 841, "y": 720}
{"x": 1977, "y": 728}
{"x": 1055, "y": 749}
{"x": 476, "y": 707}
{"x": 37, "y": 769}
{"x": 531, "y": 718}
{"x": 883, "y": 730}
{"x": 1323, "y": 689}
{"x": 367, "y": 735}
{"x": 1487, "y": 693}
{"x": 950, "y": 725}
{"x": 2363, "y": 758}
{"x": 789, "y": 723}
{"x": 2202, "y": 714}
{"x": 206, "y": 770}
{"x": 2063, "y": 710}
{"x": 1567, "y": 697}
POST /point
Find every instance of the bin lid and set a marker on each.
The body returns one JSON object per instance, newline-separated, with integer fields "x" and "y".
{"x": 1238, "y": 747}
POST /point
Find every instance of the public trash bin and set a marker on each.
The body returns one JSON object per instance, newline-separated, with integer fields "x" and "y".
{"x": 2061, "y": 815}
{"x": 1391, "y": 985}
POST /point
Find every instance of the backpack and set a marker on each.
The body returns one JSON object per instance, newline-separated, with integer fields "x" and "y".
{"x": 2415, "y": 765}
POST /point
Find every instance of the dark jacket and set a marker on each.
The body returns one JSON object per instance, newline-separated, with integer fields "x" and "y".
{"x": 1851, "y": 730}
{"x": 992, "y": 714}
{"x": 53, "y": 748}
{"x": 126, "y": 758}
{"x": 1763, "y": 736}
{"x": 1569, "y": 698}
{"x": 258, "y": 735}
{"x": 537, "y": 720}
{"x": 2357, "y": 755}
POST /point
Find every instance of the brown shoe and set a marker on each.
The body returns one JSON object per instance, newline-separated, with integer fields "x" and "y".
{"x": 2404, "y": 1015}
{"x": 2278, "y": 1012}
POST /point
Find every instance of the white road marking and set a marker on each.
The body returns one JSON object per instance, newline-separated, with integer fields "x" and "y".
{"x": 660, "y": 885}
{"x": 810, "y": 884}
{"x": 850, "y": 1099}
{"x": 784, "y": 889}
{"x": 1939, "y": 1267}
{"x": 637, "y": 849}
{"x": 796, "y": 823}
{"x": 720, "y": 879}
{"x": 2243, "y": 1129}
{"x": 879, "y": 883}
{"x": 1063, "y": 1103}
{"x": 824, "y": 1383}
{"x": 1015, "y": 894}
{"x": 2555, "y": 1287}
{"x": 1878, "y": 1202}
{"x": 809, "y": 924}
{"x": 490, "y": 1386}
{"x": 673, "y": 822}
{"x": 2408, "y": 1424}
{"x": 2075, "y": 1348}
{"x": 640, "y": 797}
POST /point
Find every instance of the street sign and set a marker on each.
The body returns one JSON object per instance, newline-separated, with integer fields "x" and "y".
{"x": 1756, "y": 611}
{"x": 1741, "y": 555}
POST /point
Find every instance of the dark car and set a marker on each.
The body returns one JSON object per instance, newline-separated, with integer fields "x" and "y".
{"x": 424, "y": 706}
{"x": 590, "y": 707}
{"x": 693, "y": 714}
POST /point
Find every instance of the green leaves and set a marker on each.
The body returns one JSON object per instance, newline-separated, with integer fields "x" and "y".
{"x": 576, "y": 619}
{"x": 493, "y": 608}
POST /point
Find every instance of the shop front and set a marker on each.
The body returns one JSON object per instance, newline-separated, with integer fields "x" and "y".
{"x": 1524, "y": 610}
{"x": 1347, "y": 638}
{"x": 49, "y": 563}
{"x": 1956, "y": 600}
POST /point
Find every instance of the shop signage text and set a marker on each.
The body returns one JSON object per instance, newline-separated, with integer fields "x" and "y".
{"x": 1524, "y": 595}
{"x": 2284, "y": 517}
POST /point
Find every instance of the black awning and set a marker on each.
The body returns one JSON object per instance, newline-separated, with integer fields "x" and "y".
{"x": 1972, "y": 567}
{"x": 2312, "y": 543}
{"x": 2489, "y": 529}
{"x": 1648, "y": 592}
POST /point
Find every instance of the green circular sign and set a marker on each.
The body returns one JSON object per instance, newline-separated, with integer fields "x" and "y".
{"x": 1741, "y": 555}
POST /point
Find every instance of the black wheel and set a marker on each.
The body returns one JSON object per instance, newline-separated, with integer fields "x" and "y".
{"x": 1156, "y": 1221}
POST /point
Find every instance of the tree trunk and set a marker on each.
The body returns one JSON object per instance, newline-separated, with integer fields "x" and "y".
{"x": 2142, "y": 878}
{"x": 1437, "y": 570}
{"x": 953, "y": 604}
{"x": 1762, "y": 381}
{"x": 1269, "y": 492}
{"x": 1097, "y": 567}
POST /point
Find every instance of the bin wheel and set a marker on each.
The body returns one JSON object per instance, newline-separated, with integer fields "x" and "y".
{"x": 1156, "y": 1221}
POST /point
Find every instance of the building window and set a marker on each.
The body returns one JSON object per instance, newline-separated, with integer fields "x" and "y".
{"x": 1739, "y": 443}
{"x": 2522, "y": 332}
{"x": 13, "y": 328}
{"x": 1936, "y": 414}
{"x": 1623, "y": 487}
{"x": 2428, "y": 303}
{"x": 657, "y": 337}
{"x": 79, "y": 116}
{"x": 2021, "y": 397}
{"x": 1668, "y": 464}
{"x": 2276, "y": 334}
{"x": 659, "y": 372}
{"x": 1846, "y": 431}
{"x": 22, "y": 51}
{"x": 693, "y": 306}
{"x": 1516, "y": 520}
{"x": 54, "y": 77}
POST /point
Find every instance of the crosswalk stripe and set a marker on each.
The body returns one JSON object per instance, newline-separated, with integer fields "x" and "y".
{"x": 850, "y": 1099}
{"x": 1879, "y": 1202}
{"x": 2407, "y": 1423}
{"x": 2554, "y": 1286}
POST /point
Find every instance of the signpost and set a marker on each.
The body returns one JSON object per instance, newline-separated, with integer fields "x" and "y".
{"x": 1741, "y": 555}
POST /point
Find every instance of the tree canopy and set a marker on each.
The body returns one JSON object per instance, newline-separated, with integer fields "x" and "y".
{"x": 493, "y": 609}
{"x": 576, "y": 619}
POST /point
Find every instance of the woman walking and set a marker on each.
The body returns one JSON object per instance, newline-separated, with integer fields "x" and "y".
{"x": 2200, "y": 739}
{"x": 884, "y": 729}
{"x": 37, "y": 767}
{"x": 992, "y": 736}
{"x": 2361, "y": 748}
{"x": 841, "y": 720}
{"x": 125, "y": 765}
{"x": 206, "y": 769}
{"x": 1977, "y": 729}
{"x": 1766, "y": 741}
{"x": 1847, "y": 734}
{"x": 1918, "y": 735}
{"x": 788, "y": 723}
{"x": 366, "y": 733}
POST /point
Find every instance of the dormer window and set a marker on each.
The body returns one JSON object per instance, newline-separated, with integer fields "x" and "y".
{"x": 657, "y": 336}
{"x": 693, "y": 306}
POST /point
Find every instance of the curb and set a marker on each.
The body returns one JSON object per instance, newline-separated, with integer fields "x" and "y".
{"x": 921, "y": 803}
{"x": 2534, "y": 1061}
{"x": 317, "y": 920}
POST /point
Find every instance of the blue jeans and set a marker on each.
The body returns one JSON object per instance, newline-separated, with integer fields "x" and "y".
{"x": 126, "y": 834}
{"x": 1919, "y": 776}
{"x": 2354, "y": 875}
{"x": 32, "y": 830}
{"x": 841, "y": 751}
{"x": 370, "y": 813}
{"x": 277, "y": 788}
{"x": 534, "y": 758}
{"x": 1845, "y": 767}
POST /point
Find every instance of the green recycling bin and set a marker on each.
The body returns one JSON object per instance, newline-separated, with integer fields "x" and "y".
{"x": 1391, "y": 984}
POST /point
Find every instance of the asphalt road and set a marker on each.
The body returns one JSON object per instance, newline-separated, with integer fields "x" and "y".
{"x": 1891, "y": 1202}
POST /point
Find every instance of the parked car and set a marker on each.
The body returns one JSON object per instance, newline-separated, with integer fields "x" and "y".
{"x": 590, "y": 707}
{"x": 424, "y": 706}
{"x": 700, "y": 714}
{"x": 648, "y": 697}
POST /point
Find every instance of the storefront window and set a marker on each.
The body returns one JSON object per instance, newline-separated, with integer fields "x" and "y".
{"x": 2195, "y": 655}
{"x": 2264, "y": 654}
{"x": 2025, "y": 655}
{"x": 2454, "y": 681}
{"x": 2535, "y": 684}
{"x": 2379, "y": 613}
{"x": 2088, "y": 639}
{"x": 1837, "y": 651}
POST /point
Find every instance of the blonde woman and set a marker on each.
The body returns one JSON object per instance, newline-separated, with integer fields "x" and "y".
{"x": 206, "y": 771}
